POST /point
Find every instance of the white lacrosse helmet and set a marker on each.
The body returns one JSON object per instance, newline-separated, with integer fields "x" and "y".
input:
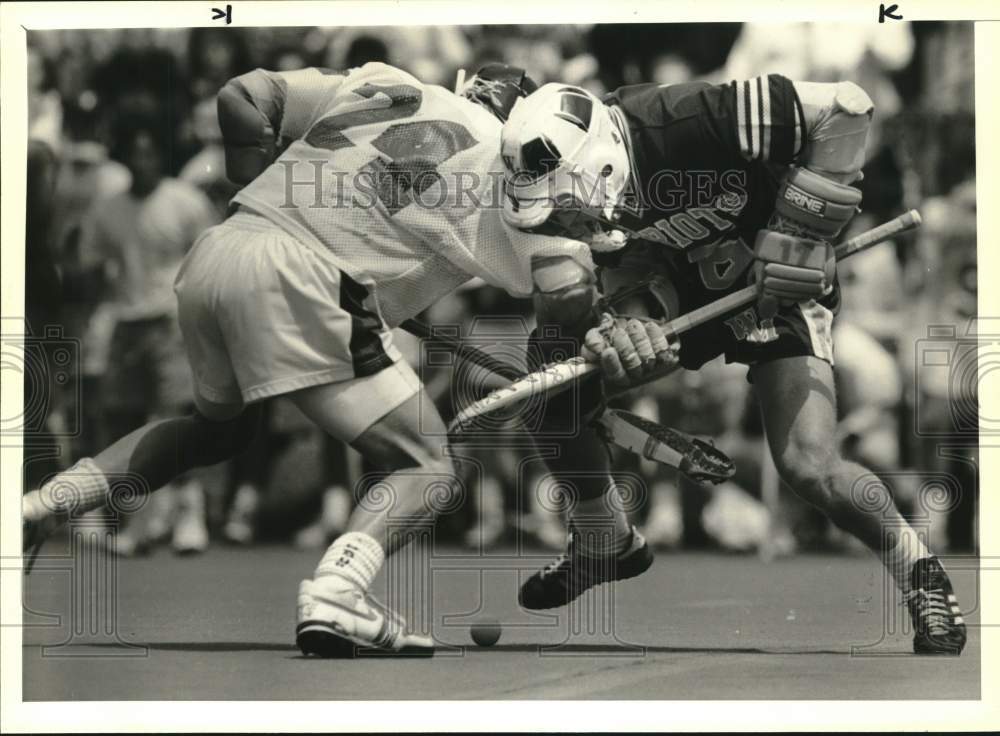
{"x": 562, "y": 154}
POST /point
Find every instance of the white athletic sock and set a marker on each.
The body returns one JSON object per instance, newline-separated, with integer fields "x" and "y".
{"x": 602, "y": 527}
{"x": 354, "y": 556}
{"x": 78, "y": 489}
{"x": 899, "y": 560}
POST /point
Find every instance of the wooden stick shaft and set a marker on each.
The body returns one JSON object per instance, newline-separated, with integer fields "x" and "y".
{"x": 858, "y": 243}
{"x": 464, "y": 350}
{"x": 558, "y": 376}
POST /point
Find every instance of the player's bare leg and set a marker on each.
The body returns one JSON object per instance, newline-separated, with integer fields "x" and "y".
{"x": 408, "y": 445}
{"x": 798, "y": 405}
{"x": 337, "y": 615}
{"x": 140, "y": 462}
{"x": 603, "y": 546}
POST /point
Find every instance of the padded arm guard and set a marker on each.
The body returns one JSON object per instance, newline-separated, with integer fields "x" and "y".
{"x": 564, "y": 298}
{"x": 836, "y": 118}
{"x": 250, "y": 110}
{"x": 815, "y": 200}
{"x": 261, "y": 112}
{"x": 565, "y": 292}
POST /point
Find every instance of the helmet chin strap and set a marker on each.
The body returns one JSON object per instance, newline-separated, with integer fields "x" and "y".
{"x": 616, "y": 235}
{"x": 607, "y": 241}
{"x": 608, "y": 235}
{"x": 608, "y": 218}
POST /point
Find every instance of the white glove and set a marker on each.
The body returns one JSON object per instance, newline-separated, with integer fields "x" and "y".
{"x": 629, "y": 349}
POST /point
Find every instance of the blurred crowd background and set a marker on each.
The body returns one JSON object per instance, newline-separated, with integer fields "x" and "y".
{"x": 126, "y": 168}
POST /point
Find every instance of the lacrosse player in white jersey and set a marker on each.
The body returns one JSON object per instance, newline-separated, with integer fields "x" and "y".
{"x": 367, "y": 198}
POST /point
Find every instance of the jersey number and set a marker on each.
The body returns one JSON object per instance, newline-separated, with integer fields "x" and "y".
{"x": 726, "y": 262}
{"x": 411, "y": 152}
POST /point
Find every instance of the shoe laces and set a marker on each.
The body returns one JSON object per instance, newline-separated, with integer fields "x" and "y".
{"x": 932, "y": 609}
{"x": 554, "y": 565}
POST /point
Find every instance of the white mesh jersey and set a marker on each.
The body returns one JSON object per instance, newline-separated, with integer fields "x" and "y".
{"x": 400, "y": 184}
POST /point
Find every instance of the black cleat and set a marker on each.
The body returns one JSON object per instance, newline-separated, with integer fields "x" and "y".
{"x": 937, "y": 619}
{"x": 573, "y": 573}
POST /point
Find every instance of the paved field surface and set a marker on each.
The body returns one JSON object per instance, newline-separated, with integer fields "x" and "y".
{"x": 221, "y": 626}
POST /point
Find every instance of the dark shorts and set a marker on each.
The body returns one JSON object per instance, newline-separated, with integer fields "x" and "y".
{"x": 741, "y": 335}
{"x": 147, "y": 372}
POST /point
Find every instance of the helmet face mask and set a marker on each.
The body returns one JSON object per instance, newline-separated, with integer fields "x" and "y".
{"x": 577, "y": 223}
{"x": 565, "y": 165}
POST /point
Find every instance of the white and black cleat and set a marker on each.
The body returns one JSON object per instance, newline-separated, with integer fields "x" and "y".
{"x": 336, "y": 619}
{"x": 937, "y": 619}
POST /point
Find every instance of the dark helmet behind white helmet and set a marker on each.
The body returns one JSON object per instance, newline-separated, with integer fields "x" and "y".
{"x": 497, "y": 87}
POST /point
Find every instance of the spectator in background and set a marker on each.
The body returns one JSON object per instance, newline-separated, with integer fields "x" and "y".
{"x": 207, "y": 168}
{"x": 431, "y": 53}
{"x": 45, "y": 115}
{"x": 872, "y": 287}
{"x": 630, "y": 53}
{"x": 43, "y": 402}
{"x": 824, "y": 52}
{"x": 42, "y": 289}
{"x": 147, "y": 82}
{"x": 287, "y": 59}
{"x": 136, "y": 241}
{"x": 865, "y": 340}
{"x": 85, "y": 175}
{"x": 946, "y": 391}
{"x": 364, "y": 49}
{"x": 214, "y": 56}
{"x": 828, "y": 52}
{"x": 928, "y": 150}
{"x": 44, "y": 139}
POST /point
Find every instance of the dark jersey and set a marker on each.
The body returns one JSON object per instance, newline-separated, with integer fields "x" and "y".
{"x": 704, "y": 162}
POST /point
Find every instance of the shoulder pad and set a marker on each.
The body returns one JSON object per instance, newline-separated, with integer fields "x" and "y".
{"x": 853, "y": 100}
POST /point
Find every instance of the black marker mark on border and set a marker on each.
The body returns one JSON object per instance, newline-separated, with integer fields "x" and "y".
{"x": 884, "y": 12}
{"x": 219, "y": 13}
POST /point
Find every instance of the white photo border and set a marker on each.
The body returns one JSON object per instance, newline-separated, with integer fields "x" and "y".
{"x": 16, "y": 18}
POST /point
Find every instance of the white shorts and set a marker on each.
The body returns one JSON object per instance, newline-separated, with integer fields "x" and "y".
{"x": 263, "y": 314}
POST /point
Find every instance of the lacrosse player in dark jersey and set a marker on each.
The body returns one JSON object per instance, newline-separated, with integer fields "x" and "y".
{"x": 694, "y": 190}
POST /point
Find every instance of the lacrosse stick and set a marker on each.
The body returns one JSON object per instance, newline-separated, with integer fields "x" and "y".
{"x": 559, "y": 376}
